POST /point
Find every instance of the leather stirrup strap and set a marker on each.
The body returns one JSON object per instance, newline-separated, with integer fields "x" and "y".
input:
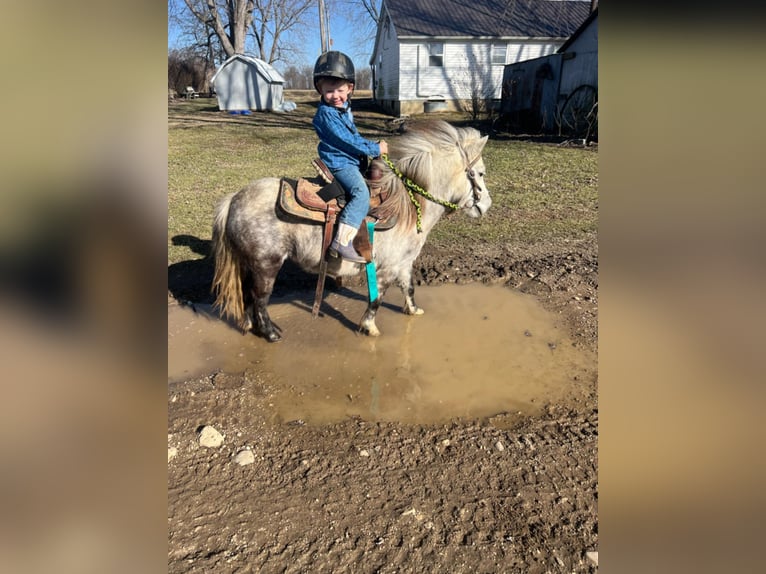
{"x": 329, "y": 225}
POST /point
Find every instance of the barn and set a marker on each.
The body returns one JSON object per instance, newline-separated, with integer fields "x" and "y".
{"x": 244, "y": 82}
{"x": 556, "y": 93}
{"x": 449, "y": 54}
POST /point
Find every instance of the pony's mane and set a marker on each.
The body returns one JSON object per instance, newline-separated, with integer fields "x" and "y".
{"x": 413, "y": 154}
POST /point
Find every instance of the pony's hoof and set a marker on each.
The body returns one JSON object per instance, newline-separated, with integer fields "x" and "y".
{"x": 246, "y": 326}
{"x": 413, "y": 311}
{"x": 369, "y": 330}
{"x": 273, "y": 337}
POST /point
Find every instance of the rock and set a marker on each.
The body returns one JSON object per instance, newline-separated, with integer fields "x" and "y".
{"x": 419, "y": 516}
{"x": 364, "y": 452}
{"x": 244, "y": 457}
{"x": 499, "y": 446}
{"x": 172, "y": 452}
{"x": 209, "y": 437}
{"x": 592, "y": 557}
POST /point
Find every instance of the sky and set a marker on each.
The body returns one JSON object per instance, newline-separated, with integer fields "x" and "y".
{"x": 341, "y": 37}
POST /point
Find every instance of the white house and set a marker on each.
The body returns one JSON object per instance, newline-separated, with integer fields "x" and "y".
{"x": 244, "y": 82}
{"x": 436, "y": 54}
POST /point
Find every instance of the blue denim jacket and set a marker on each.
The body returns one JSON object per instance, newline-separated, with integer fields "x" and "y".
{"x": 340, "y": 144}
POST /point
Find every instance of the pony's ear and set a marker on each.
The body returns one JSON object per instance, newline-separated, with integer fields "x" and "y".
{"x": 475, "y": 148}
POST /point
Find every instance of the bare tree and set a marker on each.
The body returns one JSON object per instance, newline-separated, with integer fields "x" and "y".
{"x": 363, "y": 78}
{"x": 229, "y": 19}
{"x": 261, "y": 24}
{"x": 365, "y": 15}
{"x": 299, "y": 77}
{"x": 187, "y": 68}
{"x": 372, "y": 7}
{"x": 194, "y": 41}
{"x": 271, "y": 20}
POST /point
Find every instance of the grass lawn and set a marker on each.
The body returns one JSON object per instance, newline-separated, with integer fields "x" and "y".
{"x": 541, "y": 191}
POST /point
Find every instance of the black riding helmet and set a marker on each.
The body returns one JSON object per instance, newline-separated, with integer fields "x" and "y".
{"x": 334, "y": 64}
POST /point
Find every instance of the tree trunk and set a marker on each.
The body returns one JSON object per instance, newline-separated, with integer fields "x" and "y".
{"x": 238, "y": 17}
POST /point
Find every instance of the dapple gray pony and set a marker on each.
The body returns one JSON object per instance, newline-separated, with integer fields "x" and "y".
{"x": 252, "y": 238}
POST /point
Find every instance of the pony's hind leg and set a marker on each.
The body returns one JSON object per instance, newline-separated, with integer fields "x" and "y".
{"x": 263, "y": 322}
{"x": 262, "y": 286}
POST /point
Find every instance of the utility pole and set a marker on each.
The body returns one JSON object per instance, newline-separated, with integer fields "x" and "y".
{"x": 324, "y": 27}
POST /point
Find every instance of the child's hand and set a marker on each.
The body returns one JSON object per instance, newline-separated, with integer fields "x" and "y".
{"x": 383, "y": 147}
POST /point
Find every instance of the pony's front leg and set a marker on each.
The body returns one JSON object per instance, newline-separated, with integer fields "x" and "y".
{"x": 407, "y": 285}
{"x": 367, "y": 324}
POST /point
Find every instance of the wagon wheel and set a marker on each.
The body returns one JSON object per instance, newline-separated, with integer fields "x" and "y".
{"x": 579, "y": 114}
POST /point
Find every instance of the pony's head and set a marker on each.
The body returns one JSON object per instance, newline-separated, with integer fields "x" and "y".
{"x": 444, "y": 162}
{"x": 476, "y": 200}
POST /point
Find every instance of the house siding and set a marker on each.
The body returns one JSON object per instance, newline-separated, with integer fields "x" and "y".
{"x": 404, "y": 81}
{"x": 467, "y": 71}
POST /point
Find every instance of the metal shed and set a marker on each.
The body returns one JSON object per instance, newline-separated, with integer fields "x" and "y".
{"x": 558, "y": 92}
{"x": 246, "y": 83}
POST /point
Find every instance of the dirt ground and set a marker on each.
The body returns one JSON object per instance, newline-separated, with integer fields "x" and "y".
{"x": 359, "y": 496}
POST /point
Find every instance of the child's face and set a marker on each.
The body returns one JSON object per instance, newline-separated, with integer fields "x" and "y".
{"x": 335, "y": 93}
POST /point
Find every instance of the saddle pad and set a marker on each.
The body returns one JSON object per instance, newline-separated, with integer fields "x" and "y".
{"x": 289, "y": 204}
{"x": 306, "y": 194}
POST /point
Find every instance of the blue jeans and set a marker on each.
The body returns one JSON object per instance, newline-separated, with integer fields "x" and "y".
{"x": 357, "y": 196}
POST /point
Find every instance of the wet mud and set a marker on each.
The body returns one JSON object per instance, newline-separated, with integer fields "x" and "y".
{"x": 464, "y": 441}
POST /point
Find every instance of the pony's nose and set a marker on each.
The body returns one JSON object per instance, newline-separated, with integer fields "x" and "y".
{"x": 484, "y": 204}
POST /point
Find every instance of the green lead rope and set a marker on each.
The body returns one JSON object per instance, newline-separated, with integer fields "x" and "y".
{"x": 413, "y": 188}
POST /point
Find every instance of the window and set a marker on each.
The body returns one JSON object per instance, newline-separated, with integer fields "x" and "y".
{"x": 436, "y": 54}
{"x": 498, "y": 53}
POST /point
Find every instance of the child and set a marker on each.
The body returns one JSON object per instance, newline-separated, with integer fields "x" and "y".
{"x": 340, "y": 146}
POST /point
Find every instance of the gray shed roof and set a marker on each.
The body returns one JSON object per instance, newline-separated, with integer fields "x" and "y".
{"x": 269, "y": 73}
{"x": 487, "y": 18}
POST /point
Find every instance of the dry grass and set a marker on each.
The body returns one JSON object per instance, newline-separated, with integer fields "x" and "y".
{"x": 541, "y": 192}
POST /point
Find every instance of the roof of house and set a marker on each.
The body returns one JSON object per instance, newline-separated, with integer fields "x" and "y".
{"x": 265, "y": 69}
{"x": 487, "y": 18}
{"x": 592, "y": 16}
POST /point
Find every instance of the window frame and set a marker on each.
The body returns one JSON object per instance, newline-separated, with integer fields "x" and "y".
{"x": 496, "y": 46}
{"x": 435, "y": 59}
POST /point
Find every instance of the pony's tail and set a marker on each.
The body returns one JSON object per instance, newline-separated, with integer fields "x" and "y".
{"x": 227, "y": 280}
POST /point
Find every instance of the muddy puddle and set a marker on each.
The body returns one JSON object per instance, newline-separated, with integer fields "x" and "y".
{"x": 478, "y": 351}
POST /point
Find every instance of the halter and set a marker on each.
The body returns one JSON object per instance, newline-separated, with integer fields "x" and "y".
{"x": 471, "y": 175}
{"x": 413, "y": 188}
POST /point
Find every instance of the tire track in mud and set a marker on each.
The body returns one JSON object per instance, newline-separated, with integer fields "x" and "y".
{"x": 425, "y": 499}
{"x": 422, "y": 499}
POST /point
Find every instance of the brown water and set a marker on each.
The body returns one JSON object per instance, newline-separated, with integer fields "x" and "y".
{"x": 477, "y": 351}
